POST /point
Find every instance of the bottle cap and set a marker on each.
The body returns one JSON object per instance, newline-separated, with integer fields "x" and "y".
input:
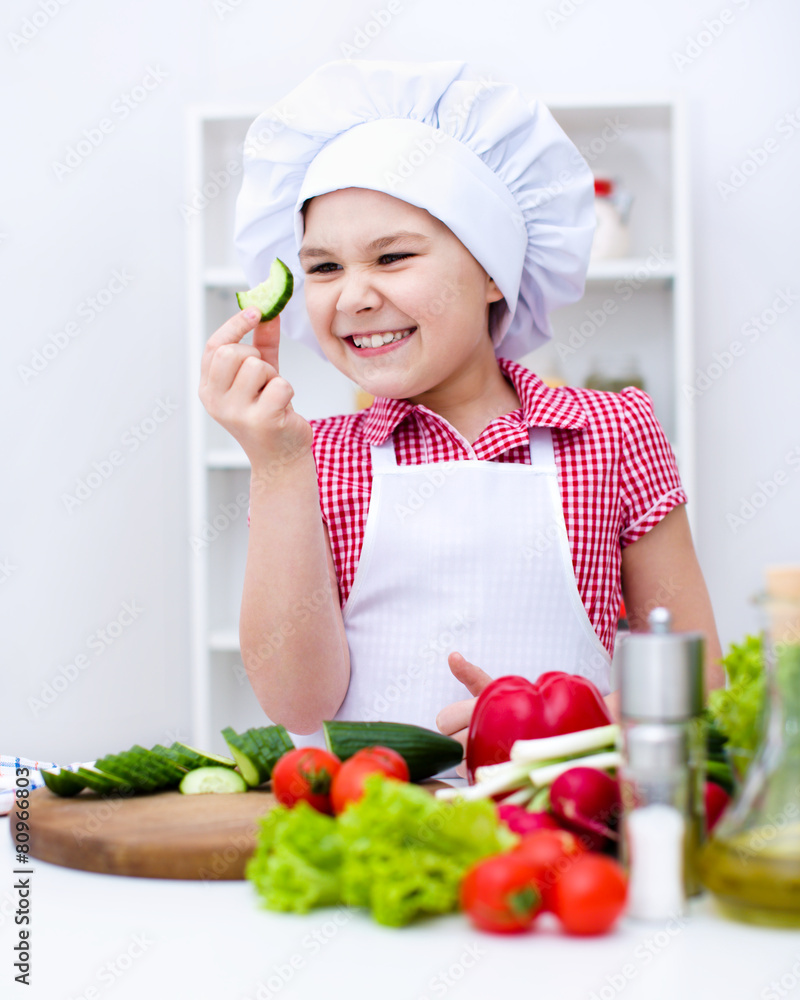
{"x": 661, "y": 672}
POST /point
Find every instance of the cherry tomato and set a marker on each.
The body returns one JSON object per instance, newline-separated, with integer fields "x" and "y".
{"x": 591, "y": 894}
{"x": 348, "y": 784}
{"x": 548, "y": 854}
{"x": 498, "y": 895}
{"x": 305, "y": 774}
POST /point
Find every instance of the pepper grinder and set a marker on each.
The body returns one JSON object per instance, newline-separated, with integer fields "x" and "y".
{"x": 662, "y": 778}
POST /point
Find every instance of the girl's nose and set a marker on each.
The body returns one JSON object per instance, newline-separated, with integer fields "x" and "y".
{"x": 357, "y": 292}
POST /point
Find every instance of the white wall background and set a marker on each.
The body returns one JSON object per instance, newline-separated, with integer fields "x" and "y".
{"x": 65, "y": 574}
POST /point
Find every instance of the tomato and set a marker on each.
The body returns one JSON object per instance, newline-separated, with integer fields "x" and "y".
{"x": 348, "y": 785}
{"x": 498, "y": 895}
{"x": 389, "y": 761}
{"x": 548, "y": 854}
{"x": 305, "y": 774}
{"x": 591, "y": 894}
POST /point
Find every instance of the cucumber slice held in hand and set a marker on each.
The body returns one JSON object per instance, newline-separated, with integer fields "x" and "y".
{"x": 271, "y": 295}
{"x": 205, "y": 780}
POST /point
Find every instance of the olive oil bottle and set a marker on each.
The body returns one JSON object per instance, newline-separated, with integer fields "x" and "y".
{"x": 751, "y": 864}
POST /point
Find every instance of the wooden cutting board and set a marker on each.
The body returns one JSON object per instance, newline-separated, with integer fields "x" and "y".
{"x": 164, "y": 835}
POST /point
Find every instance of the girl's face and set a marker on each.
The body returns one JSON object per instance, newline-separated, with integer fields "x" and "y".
{"x": 378, "y": 269}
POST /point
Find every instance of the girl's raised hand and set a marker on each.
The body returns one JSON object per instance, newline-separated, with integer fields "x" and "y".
{"x": 241, "y": 389}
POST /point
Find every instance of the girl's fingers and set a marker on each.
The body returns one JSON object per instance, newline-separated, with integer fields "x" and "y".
{"x": 473, "y": 678}
{"x": 455, "y": 717}
{"x": 266, "y": 339}
{"x": 231, "y": 332}
{"x": 251, "y": 378}
{"x": 225, "y": 365}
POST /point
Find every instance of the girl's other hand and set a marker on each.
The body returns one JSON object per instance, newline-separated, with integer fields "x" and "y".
{"x": 241, "y": 389}
{"x": 454, "y": 719}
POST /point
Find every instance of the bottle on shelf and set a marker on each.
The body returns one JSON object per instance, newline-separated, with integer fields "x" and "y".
{"x": 612, "y": 206}
{"x": 614, "y": 372}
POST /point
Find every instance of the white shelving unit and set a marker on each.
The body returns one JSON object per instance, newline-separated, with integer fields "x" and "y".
{"x": 639, "y": 141}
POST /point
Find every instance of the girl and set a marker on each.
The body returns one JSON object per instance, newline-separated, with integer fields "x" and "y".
{"x": 472, "y": 522}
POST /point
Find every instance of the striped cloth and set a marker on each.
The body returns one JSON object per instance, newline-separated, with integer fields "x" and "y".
{"x": 31, "y": 770}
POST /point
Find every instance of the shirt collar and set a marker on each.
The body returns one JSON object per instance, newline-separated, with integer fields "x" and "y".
{"x": 542, "y": 406}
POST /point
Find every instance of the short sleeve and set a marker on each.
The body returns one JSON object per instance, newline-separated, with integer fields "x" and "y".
{"x": 649, "y": 479}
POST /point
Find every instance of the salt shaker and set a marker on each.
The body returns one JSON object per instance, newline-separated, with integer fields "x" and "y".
{"x": 661, "y": 700}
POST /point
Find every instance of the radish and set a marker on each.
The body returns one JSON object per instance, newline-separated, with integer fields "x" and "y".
{"x": 587, "y": 801}
{"x": 520, "y": 821}
{"x": 717, "y": 800}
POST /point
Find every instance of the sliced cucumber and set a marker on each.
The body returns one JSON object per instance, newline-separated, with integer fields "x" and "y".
{"x": 256, "y": 751}
{"x": 271, "y": 295}
{"x": 199, "y": 758}
{"x": 127, "y": 766}
{"x": 102, "y": 784}
{"x": 171, "y": 756}
{"x": 63, "y": 783}
{"x": 212, "y": 780}
{"x": 426, "y": 752}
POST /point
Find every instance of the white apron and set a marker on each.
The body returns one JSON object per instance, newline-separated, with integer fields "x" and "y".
{"x": 470, "y": 556}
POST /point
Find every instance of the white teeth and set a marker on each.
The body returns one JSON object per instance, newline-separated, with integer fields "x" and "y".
{"x": 380, "y": 339}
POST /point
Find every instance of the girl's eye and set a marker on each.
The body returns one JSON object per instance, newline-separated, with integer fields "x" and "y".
{"x": 322, "y": 268}
{"x": 390, "y": 258}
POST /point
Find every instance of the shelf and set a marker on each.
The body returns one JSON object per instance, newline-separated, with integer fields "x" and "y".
{"x": 227, "y": 458}
{"x": 638, "y": 269}
{"x": 224, "y": 277}
{"x": 223, "y": 641}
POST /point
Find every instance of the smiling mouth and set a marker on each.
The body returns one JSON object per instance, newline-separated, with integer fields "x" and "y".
{"x": 381, "y": 339}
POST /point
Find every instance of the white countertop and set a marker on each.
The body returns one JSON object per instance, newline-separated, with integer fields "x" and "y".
{"x": 153, "y": 938}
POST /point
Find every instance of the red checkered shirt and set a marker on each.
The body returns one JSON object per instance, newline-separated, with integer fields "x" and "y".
{"x": 616, "y": 471}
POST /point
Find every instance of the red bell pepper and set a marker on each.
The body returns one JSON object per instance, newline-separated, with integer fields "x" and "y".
{"x": 513, "y": 708}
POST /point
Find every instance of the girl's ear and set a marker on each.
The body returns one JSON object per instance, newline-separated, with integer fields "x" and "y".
{"x": 493, "y": 293}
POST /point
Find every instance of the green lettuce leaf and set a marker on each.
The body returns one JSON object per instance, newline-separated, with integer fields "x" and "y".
{"x": 297, "y": 862}
{"x": 405, "y": 853}
{"x": 737, "y": 710}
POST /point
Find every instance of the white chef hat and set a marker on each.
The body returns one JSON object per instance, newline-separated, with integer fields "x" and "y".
{"x": 496, "y": 169}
